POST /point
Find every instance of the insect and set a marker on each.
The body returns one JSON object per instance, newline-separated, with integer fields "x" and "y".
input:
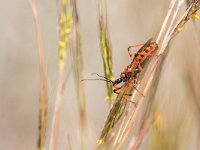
{"x": 144, "y": 53}
{"x": 140, "y": 58}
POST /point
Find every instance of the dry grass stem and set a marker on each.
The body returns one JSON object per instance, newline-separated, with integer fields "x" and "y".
{"x": 43, "y": 92}
{"x": 75, "y": 43}
{"x": 65, "y": 22}
{"x": 172, "y": 4}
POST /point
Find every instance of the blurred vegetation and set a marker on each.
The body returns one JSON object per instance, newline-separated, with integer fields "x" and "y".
{"x": 141, "y": 115}
{"x": 77, "y": 61}
{"x": 43, "y": 90}
{"x": 106, "y": 50}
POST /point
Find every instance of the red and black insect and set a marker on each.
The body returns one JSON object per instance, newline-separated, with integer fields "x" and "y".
{"x": 144, "y": 53}
{"x": 140, "y": 58}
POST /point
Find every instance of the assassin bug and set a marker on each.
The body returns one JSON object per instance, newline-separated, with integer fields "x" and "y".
{"x": 144, "y": 53}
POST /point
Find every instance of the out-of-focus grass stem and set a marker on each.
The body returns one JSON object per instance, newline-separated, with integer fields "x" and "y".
{"x": 65, "y": 22}
{"x": 105, "y": 44}
{"x": 77, "y": 58}
{"x": 43, "y": 92}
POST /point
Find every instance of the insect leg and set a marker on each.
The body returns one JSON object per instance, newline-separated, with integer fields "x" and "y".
{"x": 134, "y": 86}
{"x": 139, "y": 91}
{"x": 129, "y": 100}
{"x": 129, "y": 52}
{"x": 116, "y": 88}
{"x": 140, "y": 67}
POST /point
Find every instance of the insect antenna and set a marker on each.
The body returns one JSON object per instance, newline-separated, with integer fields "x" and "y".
{"x": 102, "y": 77}
{"x": 98, "y": 79}
{"x": 105, "y": 79}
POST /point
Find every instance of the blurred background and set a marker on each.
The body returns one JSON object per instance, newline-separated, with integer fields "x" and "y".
{"x": 130, "y": 22}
